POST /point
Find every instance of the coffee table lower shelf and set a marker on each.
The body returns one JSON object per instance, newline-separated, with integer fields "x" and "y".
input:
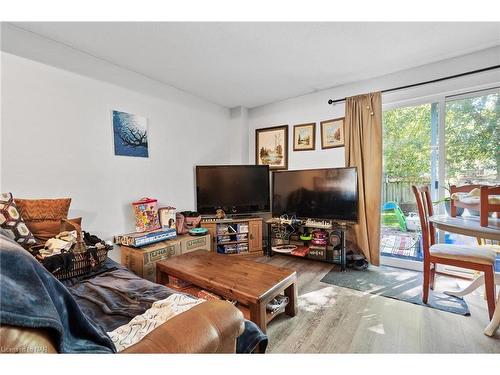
{"x": 269, "y": 315}
{"x": 193, "y": 290}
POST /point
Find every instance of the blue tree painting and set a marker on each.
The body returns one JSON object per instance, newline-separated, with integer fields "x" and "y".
{"x": 130, "y": 134}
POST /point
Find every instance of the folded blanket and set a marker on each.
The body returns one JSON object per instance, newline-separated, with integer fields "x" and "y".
{"x": 161, "y": 311}
{"x": 32, "y": 297}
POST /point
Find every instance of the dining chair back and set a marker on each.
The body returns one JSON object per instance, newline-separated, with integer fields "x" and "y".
{"x": 488, "y": 201}
{"x": 488, "y": 206}
{"x": 425, "y": 210}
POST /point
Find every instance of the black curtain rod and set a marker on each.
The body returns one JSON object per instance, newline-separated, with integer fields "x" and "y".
{"x": 427, "y": 82}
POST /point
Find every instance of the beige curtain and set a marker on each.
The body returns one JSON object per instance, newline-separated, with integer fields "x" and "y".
{"x": 363, "y": 149}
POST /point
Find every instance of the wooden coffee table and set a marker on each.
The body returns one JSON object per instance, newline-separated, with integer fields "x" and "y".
{"x": 250, "y": 283}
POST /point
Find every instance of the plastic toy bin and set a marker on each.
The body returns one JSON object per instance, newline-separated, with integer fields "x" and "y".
{"x": 146, "y": 214}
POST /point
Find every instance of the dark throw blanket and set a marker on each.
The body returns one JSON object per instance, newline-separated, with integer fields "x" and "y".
{"x": 113, "y": 295}
{"x": 31, "y": 297}
{"x": 83, "y": 308}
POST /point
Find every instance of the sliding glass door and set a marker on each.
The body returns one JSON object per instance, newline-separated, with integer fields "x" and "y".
{"x": 450, "y": 140}
{"x": 472, "y": 144}
{"x": 410, "y": 157}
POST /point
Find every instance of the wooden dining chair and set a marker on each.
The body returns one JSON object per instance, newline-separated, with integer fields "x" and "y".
{"x": 471, "y": 257}
{"x": 488, "y": 202}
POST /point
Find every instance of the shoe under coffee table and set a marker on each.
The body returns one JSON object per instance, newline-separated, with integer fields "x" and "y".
{"x": 250, "y": 283}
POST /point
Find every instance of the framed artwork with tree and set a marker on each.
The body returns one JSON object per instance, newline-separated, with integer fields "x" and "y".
{"x": 332, "y": 133}
{"x": 271, "y": 147}
{"x": 130, "y": 133}
{"x": 304, "y": 137}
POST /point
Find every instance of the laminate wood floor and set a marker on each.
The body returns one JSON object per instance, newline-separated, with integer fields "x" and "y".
{"x": 332, "y": 319}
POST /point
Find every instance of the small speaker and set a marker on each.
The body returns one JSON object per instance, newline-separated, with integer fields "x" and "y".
{"x": 335, "y": 239}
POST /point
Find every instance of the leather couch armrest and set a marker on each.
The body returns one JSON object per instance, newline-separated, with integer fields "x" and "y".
{"x": 25, "y": 340}
{"x": 210, "y": 327}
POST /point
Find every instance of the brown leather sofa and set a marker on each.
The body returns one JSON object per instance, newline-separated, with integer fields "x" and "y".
{"x": 210, "y": 327}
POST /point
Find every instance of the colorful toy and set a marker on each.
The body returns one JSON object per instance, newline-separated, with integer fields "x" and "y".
{"x": 319, "y": 237}
{"x": 198, "y": 231}
{"x": 146, "y": 215}
{"x": 167, "y": 217}
{"x": 306, "y": 237}
{"x": 393, "y": 216}
{"x": 145, "y": 238}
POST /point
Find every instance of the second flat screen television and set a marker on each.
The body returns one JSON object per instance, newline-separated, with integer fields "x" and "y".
{"x": 330, "y": 193}
{"x": 236, "y": 189}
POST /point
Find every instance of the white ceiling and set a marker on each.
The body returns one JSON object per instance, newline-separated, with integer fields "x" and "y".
{"x": 251, "y": 64}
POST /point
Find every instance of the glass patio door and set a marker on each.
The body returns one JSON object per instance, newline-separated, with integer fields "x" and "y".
{"x": 451, "y": 140}
{"x": 410, "y": 157}
{"x": 472, "y": 150}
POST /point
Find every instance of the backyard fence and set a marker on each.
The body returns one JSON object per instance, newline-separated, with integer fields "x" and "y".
{"x": 401, "y": 193}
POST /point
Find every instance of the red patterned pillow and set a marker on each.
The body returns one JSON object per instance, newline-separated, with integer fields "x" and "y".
{"x": 12, "y": 223}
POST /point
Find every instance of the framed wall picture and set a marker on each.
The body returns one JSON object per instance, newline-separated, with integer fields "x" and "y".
{"x": 130, "y": 133}
{"x": 271, "y": 147}
{"x": 332, "y": 133}
{"x": 304, "y": 137}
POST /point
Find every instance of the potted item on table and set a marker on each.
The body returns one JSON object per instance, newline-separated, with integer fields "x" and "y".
{"x": 447, "y": 205}
{"x": 447, "y": 202}
{"x": 146, "y": 214}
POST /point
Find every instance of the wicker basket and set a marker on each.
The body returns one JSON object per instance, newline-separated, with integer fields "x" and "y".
{"x": 79, "y": 261}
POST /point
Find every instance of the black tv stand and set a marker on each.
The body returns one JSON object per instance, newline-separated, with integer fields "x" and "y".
{"x": 336, "y": 228}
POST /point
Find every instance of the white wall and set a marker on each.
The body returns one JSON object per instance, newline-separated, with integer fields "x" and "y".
{"x": 57, "y": 141}
{"x": 239, "y": 127}
{"x": 314, "y": 107}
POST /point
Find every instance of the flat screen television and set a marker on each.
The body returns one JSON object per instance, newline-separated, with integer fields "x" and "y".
{"x": 330, "y": 193}
{"x": 236, "y": 189}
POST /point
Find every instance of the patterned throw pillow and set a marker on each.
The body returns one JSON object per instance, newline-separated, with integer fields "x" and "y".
{"x": 12, "y": 223}
{"x": 43, "y": 216}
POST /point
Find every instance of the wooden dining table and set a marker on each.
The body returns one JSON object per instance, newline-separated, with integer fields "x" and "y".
{"x": 467, "y": 226}
{"x": 470, "y": 226}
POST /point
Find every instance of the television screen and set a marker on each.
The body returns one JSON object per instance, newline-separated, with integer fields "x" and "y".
{"x": 316, "y": 193}
{"x": 236, "y": 189}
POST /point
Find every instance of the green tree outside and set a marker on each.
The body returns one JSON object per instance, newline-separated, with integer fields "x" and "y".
{"x": 406, "y": 141}
{"x": 472, "y": 128}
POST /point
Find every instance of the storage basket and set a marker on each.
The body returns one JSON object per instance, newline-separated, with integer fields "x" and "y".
{"x": 78, "y": 261}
